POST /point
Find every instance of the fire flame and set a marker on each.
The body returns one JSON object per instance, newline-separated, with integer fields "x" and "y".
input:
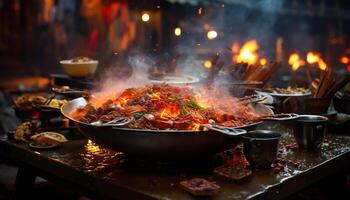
{"x": 196, "y": 126}
{"x": 156, "y": 96}
{"x": 315, "y": 58}
{"x": 248, "y": 52}
{"x": 171, "y": 111}
{"x": 295, "y": 61}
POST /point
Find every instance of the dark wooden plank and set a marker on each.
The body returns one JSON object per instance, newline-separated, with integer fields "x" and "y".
{"x": 96, "y": 172}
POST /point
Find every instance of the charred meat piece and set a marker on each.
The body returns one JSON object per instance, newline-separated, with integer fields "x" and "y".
{"x": 233, "y": 172}
{"x": 200, "y": 187}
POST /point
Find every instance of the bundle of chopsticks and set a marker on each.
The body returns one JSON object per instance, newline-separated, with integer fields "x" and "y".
{"x": 327, "y": 85}
{"x": 245, "y": 72}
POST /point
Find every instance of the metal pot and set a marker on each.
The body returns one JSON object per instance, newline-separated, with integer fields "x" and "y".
{"x": 260, "y": 147}
{"x": 310, "y": 130}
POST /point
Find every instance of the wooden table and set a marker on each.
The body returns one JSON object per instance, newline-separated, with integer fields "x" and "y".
{"x": 98, "y": 172}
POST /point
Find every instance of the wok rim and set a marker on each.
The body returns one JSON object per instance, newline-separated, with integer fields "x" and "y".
{"x": 148, "y": 131}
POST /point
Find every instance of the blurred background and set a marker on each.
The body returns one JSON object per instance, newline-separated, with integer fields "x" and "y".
{"x": 35, "y": 35}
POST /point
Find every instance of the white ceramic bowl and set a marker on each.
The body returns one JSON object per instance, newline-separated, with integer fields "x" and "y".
{"x": 79, "y": 69}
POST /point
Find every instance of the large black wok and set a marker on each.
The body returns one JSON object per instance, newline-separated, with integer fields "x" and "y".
{"x": 157, "y": 144}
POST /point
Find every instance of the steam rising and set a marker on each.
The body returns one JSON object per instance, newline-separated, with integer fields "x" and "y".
{"x": 258, "y": 24}
{"x": 111, "y": 84}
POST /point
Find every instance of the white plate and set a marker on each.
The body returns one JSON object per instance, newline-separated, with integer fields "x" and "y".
{"x": 283, "y": 95}
{"x": 179, "y": 80}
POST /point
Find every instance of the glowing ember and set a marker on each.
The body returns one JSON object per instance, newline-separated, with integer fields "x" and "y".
{"x": 248, "y": 53}
{"x": 235, "y": 48}
{"x": 295, "y": 61}
{"x": 200, "y": 10}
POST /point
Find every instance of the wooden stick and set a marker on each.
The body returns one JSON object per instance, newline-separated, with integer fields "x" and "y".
{"x": 308, "y": 74}
{"x": 322, "y": 77}
{"x": 338, "y": 85}
{"x": 275, "y": 66}
{"x": 328, "y": 82}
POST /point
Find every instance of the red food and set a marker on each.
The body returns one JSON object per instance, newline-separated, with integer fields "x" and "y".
{"x": 163, "y": 106}
{"x": 233, "y": 172}
{"x": 200, "y": 187}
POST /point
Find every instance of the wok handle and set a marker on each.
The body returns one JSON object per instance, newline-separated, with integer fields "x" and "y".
{"x": 281, "y": 117}
{"x": 225, "y": 130}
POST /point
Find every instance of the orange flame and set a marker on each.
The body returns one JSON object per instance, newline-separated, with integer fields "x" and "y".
{"x": 322, "y": 65}
{"x": 196, "y": 126}
{"x": 248, "y": 52}
{"x": 156, "y": 96}
{"x": 295, "y": 61}
{"x": 123, "y": 101}
{"x": 171, "y": 111}
{"x": 200, "y": 11}
{"x": 315, "y": 58}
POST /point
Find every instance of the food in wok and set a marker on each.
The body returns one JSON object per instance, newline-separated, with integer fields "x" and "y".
{"x": 168, "y": 107}
{"x": 288, "y": 90}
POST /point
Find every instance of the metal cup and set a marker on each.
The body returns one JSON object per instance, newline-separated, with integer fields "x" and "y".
{"x": 310, "y": 130}
{"x": 260, "y": 147}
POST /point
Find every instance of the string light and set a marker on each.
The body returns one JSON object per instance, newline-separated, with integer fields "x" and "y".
{"x": 207, "y": 64}
{"x": 177, "y": 31}
{"x": 344, "y": 60}
{"x": 263, "y": 61}
{"x": 212, "y": 35}
{"x": 145, "y": 17}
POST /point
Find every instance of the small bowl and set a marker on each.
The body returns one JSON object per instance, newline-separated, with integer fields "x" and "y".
{"x": 260, "y": 147}
{"x": 79, "y": 69}
{"x": 317, "y": 106}
{"x": 310, "y": 130}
